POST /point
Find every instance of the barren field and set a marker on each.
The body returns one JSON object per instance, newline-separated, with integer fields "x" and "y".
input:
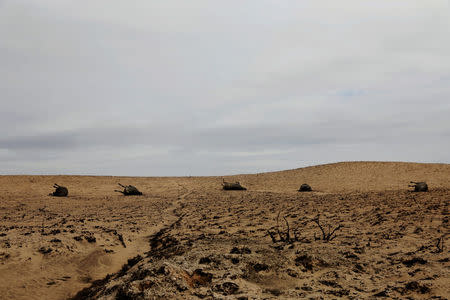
{"x": 186, "y": 238}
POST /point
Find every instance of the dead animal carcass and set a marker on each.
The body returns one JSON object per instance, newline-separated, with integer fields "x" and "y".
{"x": 305, "y": 188}
{"x": 232, "y": 186}
{"x": 60, "y": 191}
{"x": 129, "y": 190}
{"x": 419, "y": 186}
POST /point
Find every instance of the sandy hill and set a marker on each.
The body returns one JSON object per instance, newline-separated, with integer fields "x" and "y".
{"x": 354, "y": 176}
{"x": 330, "y": 178}
{"x": 192, "y": 240}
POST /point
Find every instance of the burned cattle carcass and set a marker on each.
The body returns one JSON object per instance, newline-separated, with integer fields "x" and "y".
{"x": 236, "y": 186}
{"x": 129, "y": 190}
{"x": 60, "y": 191}
{"x": 305, "y": 188}
{"x": 419, "y": 186}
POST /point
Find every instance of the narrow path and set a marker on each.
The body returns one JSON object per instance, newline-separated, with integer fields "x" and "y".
{"x": 173, "y": 216}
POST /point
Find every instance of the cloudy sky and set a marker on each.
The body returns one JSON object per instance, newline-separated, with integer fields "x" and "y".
{"x": 179, "y": 87}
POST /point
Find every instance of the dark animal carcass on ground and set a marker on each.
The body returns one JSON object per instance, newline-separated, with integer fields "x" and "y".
{"x": 419, "y": 186}
{"x": 305, "y": 188}
{"x": 129, "y": 190}
{"x": 236, "y": 186}
{"x": 60, "y": 191}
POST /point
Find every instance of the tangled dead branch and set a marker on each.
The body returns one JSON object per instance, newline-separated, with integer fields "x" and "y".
{"x": 328, "y": 235}
{"x": 440, "y": 245}
{"x": 286, "y": 235}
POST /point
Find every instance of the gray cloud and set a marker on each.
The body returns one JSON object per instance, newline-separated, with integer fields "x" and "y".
{"x": 177, "y": 88}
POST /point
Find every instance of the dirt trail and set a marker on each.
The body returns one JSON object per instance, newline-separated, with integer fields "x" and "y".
{"x": 52, "y": 247}
{"x": 120, "y": 228}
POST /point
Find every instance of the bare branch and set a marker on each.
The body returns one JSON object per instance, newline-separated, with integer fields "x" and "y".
{"x": 288, "y": 236}
{"x": 284, "y": 236}
{"x": 316, "y": 220}
{"x": 330, "y": 234}
{"x": 440, "y": 245}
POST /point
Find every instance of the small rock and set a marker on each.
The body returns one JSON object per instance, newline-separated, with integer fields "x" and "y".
{"x": 305, "y": 261}
{"x": 45, "y": 250}
{"x": 55, "y": 231}
{"x": 90, "y": 238}
{"x": 205, "y": 260}
{"x": 227, "y": 288}
{"x": 260, "y": 267}
{"x": 415, "y": 286}
{"x": 413, "y": 261}
{"x": 292, "y": 273}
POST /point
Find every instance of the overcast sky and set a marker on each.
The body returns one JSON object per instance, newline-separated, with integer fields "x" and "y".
{"x": 152, "y": 88}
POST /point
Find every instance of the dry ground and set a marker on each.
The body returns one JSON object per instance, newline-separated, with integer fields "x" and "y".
{"x": 186, "y": 238}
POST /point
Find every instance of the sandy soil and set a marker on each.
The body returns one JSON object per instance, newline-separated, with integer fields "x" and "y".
{"x": 186, "y": 238}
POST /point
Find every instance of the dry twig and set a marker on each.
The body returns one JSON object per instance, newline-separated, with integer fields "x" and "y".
{"x": 284, "y": 236}
{"x": 330, "y": 234}
{"x": 440, "y": 245}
